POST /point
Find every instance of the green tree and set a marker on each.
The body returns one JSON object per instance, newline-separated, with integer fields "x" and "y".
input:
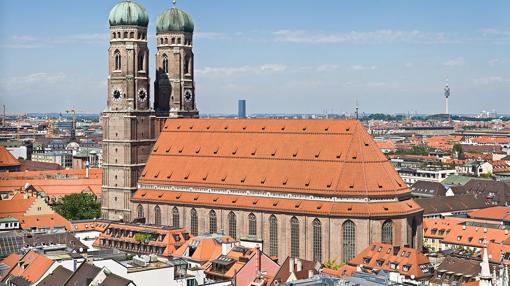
{"x": 78, "y": 206}
{"x": 332, "y": 264}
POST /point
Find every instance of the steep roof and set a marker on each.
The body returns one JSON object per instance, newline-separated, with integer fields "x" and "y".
{"x": 284, "y": 272}
{"x": 206, "y": 247}
{"x": 497, "y": 213}
{"x": 31, "y": 266}
{"x": 6, "y": 158}
{"x": 85, "y": 272}
{"x": 407, "y": 261}
{"x": 321, "y": 157}
{"x": 437, "y": 205}
{"x": 57, "y": 277}
{"x": 428, "y": 189}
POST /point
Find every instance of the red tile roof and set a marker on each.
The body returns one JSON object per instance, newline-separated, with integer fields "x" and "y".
{"x": 323, "y": 157}
{"x": 6, "y": 159}
{"x": 206, "y": 248}
{"x": 31, "y": 266}
{"x": 498, "y": 213}
{"x": 407, "y": 261}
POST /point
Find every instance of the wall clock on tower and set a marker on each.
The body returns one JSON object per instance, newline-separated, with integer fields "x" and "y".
{"x": 142, "y": 94}
{"x": 188, "y": 95}
{"x": 116, "y": 94}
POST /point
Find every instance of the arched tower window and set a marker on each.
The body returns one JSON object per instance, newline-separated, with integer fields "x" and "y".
{"x": 317, "y": 240}
{"x": 232, "y": 225}
{"x": 273, "y": 236}
{"x": 165, "y": 63}
{"x": 252, "y": 225}
{"x": 387, "y": 232}
{"x": 187, "y": 64}
{"x": 139, "y": 211}
{"x": 294, "y": 237}
{"x": 414, "y": 227}
{"x": 349, "y": 240}
{"x": 175, "y": 217}
{"x": 118, "y": 60}
{"x": 157, "y": 215}
{"x": 194, "y": 222}
{"x": 213, "y": 222}
{"x": 140, "y": 62}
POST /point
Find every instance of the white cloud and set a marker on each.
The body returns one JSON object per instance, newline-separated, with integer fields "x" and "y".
{"x": 353, "y": 37}
{"x": 363, "y": 67}
{"x": 31, "y": 42}
{"x": 456, "y": 62}
{"x": 326, "y": 67}
{"x": 235, "y": 71}
{"x": 492, "y": 80}
{"x": 495, "y": 62}
{"x": 31, "y": 80}
{"x": 208, "y": 35}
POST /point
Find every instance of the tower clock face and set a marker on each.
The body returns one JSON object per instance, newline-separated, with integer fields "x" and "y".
{"x": 188, "y": 95}
{"x": 116, "y": 94}
{"x": 142, "y": 94}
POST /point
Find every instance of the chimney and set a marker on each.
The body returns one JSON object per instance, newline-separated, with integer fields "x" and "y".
{"x": 87, "y": 169}
{"x": 259, "y": 260}
{"x": 310, "y": 273}
{"x": 299, "y": 264}
{"x": 291, "y": 264}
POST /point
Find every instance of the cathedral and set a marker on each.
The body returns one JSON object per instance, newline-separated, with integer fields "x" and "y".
{"x": 316, "y": 189}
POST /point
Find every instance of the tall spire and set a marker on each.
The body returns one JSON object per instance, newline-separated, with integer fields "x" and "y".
{"x": 485, "y": 272}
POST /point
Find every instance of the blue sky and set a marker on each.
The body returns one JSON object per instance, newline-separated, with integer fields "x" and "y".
{"x": 287, "y": 56}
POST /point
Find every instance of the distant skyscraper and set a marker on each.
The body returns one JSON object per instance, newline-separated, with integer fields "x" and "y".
{"x": 241, "y": 108}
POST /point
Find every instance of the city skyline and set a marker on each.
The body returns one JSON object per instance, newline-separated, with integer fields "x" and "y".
{"x": 300, "y": 58}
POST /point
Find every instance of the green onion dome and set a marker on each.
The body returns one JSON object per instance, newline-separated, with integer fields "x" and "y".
{"x": 174, "y": 20}
{"x": 129, "y": 13}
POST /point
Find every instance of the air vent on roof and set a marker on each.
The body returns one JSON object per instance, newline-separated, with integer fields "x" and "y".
{"x": 208, "y": 127}
{"x": 160, "y": 195}
{"x": 330, "y": 183}
{"x": 273, "y": 153}
{"x": 338, "y": 155}
{"x": 354, "y": 156}
{"x": 234, "y": 151}
{"x": 263, "y": 127}
{"x": 224, "y": 178}
{"x": 244, "y": 127}
{"x": 181, "y": 149}
{"x": 143, "y": 194}
{"x": 187, "y": 175}
{"x": 366, "y": 144}
{"x": 156, "y": 175}
{"x": 155, "y": 149}
{"x": 319, "y": 206}
{"x": 304, "y": 128}
{"x": 196, "y": 198}
{"x": 178, "y": 127}
{"x": 243, "y": 179}
{"x": 144, "y": 173}
{"x": 191, "y": 127}
{"x": 297, "y": 205}
{"x": 349, "y": 208}
{"x": 168, "y": 149}
{"x": 178, "y": 196}
{"x": 204, "y": 177}
{"x": 379, "y": 185}
{"x": 255, "y": 202}
{"x": 234, "y": 200}
{"x": 263, "y": 180}
{"x": 215, "y": 199}
{"x": 284, "y": 182}
{"x": 254, "y": 152}
{"x": 327, "y": 128}
{"x": 216, "y": 150}
{"x": 226, "y": 127}
{"x": 307, "y": 182}
{"x": 275, "y": 203}
{"x": 295, "y": 153}
{"x": 169, "y": 175}
{"x": 347, "y": 129}
{"x": 317, "y": 154}
{"x": 386, "y": 208}
{"x": 197, "y": 150}
{"x": 166, "y": 126}
{"x": 283, "y": 127}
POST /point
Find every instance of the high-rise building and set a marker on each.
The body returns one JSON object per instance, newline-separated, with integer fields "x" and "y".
{"x": 128, "y": 119}
{"x": 241, "y": 108}
{"x": 174, "y": 85}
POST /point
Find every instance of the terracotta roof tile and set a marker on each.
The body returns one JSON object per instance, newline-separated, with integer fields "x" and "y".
{"x": 31, "y": 266}
{"x": 6, "y": 158}
{"x": 324, "y": 157}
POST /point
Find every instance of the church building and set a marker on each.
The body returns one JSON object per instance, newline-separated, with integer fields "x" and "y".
{"x": 315, "y": 189}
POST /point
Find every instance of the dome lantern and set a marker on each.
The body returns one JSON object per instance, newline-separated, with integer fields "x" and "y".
{"x": 174, "y": 20}
{"x": 128, "y": 13}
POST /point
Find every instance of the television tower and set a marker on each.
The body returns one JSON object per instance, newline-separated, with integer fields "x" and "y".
{"x": 446, "y": 95}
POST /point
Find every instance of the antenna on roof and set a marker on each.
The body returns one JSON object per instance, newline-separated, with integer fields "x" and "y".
{"x": 357, "y": 109}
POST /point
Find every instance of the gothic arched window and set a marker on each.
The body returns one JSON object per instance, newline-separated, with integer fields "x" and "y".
{"x": 187, "y": 64}
{"x": 317, "y": 240}
{"x": 273, "y": 236}
{"x": 252, "y": 225}
{"x": 157, "y": 215}
{"x": 213, "y": 222}
{"x": 294, "y": 237}
{"x": 349, "y": 240}
{"x": 139, "y": 211}
{"x": 387, "y": 232}
{"x": 140, "y": 62}
{"x": 194, "y": 222}
{"x": 232, "y": 225}
{"x": 165, "y": 63}
{"x": 175, "y": 217}
{"x": 414, "y": 227}
{"x": 118, "y": 60}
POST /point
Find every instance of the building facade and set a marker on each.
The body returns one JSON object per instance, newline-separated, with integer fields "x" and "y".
{"x": 128, "y": 119}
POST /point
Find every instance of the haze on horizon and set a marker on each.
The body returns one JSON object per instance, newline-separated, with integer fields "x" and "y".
{"x": 281, "y": 56}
